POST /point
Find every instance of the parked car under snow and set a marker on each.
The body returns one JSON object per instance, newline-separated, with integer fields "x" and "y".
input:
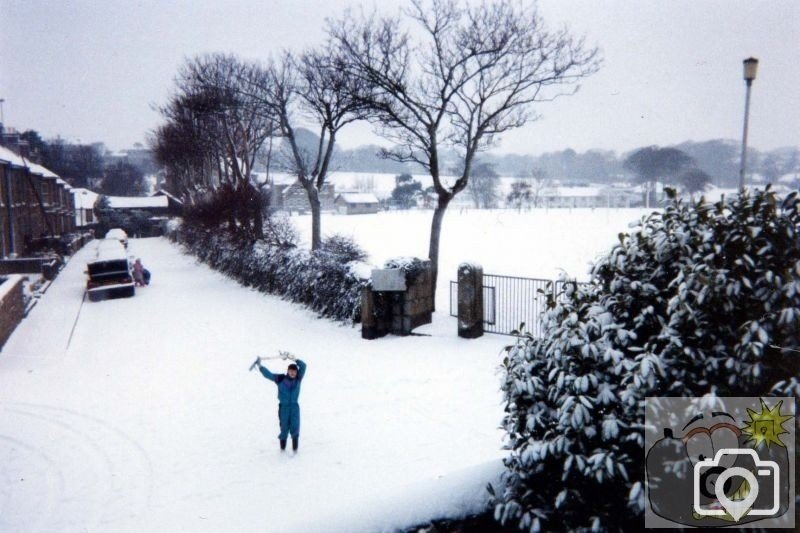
{"x": 118, "y": 234}
{"x": 110, "y": 272}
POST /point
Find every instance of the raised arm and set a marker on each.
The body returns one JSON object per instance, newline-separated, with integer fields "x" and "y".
{"x": 266, "y": 373}
{"x": 301, "y": 368}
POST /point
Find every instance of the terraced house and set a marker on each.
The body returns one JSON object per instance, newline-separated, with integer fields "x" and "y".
{"x": 36, "y": 206}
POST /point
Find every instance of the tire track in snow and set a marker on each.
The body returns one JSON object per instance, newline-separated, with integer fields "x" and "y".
{"x": 105, "y": 474}
{"x": 40, "y": 470}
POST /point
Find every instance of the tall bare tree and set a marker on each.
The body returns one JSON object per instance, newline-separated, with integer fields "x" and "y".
{"x": 470, "y": 73}
{"x": 311, "y": 89}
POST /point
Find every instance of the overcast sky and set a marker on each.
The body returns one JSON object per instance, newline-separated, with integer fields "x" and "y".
{"x": 93, "y": 70}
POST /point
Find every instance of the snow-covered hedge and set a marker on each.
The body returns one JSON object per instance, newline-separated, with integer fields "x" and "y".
{"x": 698, "y": 299}
{"x": 325, "y": 281}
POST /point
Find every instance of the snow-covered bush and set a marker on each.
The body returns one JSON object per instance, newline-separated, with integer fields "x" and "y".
{"x": 411, "y": 266}
{"x": 280, "y": 231}
{"x": 344, "y": 247}
{"x": 322, "y": 281}
{"x": 700, "y": 298}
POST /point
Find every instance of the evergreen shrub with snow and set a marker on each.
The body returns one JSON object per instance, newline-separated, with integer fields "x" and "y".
{"x": 324, "y": 281}
{"x": 343, "y": 247}
{"x": 698, "y": 299}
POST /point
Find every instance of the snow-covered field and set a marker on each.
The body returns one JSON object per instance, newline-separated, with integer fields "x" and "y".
{"x": 539, "y": 243}
{"x": 149, "y": 420}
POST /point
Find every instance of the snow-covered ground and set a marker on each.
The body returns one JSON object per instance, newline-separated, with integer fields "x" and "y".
{"x": 139, "y": 414}
{"x": 149, "y": 420}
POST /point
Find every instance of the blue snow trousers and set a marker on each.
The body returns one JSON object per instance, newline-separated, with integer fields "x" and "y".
{"x": 289, "y": 417}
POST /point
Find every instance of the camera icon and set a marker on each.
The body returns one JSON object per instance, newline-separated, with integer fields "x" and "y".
{"x": 766, "y": 472}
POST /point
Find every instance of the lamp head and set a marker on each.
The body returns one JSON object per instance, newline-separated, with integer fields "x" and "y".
{"x": 750, "y": 68}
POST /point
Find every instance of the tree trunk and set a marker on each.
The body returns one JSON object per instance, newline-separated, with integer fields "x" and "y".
{"x": 258, "y": 215}
{"x": 316, "y": 218}
{"x": 433, "y": 249}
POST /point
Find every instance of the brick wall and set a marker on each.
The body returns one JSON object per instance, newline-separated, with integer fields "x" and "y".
{"x": 12, "y": 306}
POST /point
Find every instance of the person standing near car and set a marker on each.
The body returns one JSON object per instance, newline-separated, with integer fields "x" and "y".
{"x": 288, "y": 394}
{"x": 139, "y": 273}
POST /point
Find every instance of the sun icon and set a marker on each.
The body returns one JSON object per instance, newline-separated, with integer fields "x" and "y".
{"x": 766, "y": 426}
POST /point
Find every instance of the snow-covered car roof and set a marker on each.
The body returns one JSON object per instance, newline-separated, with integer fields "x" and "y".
{"x": 110, "y": 250}
{"x": 116, "y": 233}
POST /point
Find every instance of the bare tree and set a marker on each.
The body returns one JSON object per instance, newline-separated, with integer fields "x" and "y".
{"x": 474, "y": 74}
{"x": 311, "y": 88}
{"x": 482, "y": 186}
{"x": 539, "y": 183}
{"x": 520, "y": 195}
{"x": 214, "y": 133}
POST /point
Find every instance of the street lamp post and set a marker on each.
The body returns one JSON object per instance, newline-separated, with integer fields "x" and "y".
{"x": 750, "y": 67}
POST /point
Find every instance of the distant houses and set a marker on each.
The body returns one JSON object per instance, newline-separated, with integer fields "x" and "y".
{"x": 153, "y": 205}
{"x": 293, "y": 197}
{"x": 591, "y": 196}
{"x": 357, "y": 203}
{"x": 85, "y": 200}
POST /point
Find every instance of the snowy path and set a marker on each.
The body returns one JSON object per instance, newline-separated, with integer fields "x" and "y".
{"x": 150, "y": 421}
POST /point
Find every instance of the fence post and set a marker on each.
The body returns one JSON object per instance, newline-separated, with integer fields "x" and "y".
{"x": 470, "y": 301}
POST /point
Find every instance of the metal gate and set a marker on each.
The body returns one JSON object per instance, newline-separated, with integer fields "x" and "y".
{"x": 510, "y": 301}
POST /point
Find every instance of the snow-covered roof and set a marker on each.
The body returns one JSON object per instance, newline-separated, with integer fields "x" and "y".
{"x": 110, "y": 250}
{"x": 162, "y": 192}
{"x": 84, "y": 198}
{"x": 572, "y": 192}
{"x": 42, "y": 171}
{"x": 359, "y": 198}
{"x": 8, "y": 156}
{"x": 137, "y": 202}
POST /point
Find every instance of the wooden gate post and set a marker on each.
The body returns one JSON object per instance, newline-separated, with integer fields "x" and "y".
{"x": 470, "y": 301}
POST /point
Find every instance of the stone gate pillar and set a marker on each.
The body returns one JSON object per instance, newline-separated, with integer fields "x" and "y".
{"x": 470, "y": 300}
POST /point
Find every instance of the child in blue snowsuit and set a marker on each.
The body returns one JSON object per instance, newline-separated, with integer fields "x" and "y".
{"x": 288, "y": 392}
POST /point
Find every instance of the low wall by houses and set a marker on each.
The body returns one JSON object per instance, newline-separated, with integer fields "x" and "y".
{"x": 48, "y": 267}
{"x": 12, "y": 305}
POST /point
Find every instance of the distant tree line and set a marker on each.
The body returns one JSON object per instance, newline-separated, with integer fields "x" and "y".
{"x": 86, "y": 165}
{"x": 718, "y": 158}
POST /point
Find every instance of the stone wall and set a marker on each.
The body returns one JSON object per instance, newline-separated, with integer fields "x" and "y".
{"x": 12, "y": 306}
{"x": 398, "y": 311}
{"x": 414, "y": 307}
